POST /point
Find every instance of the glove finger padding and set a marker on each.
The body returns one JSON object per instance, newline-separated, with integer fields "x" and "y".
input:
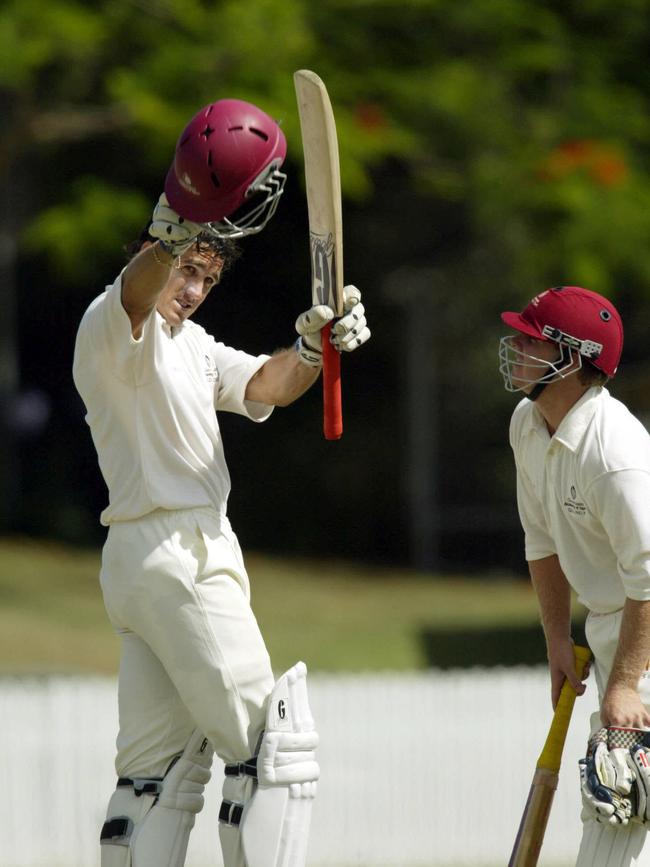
{"x": 311, "y": 321}
{"x": 353, "y": 319}
{"x": 351, "y": 330}
{"x": 606, "y": 783}
{"x": 308, "y": 326}
{"x": 288, "y": 757}
{"x": 613, "y": 769}
{"x": 352, "y": 340}
{"x": 596, "y": 805}
{"x": 351, "y": 297}
{"x": 175, "y": 232}
{"x": 640, "y": 766}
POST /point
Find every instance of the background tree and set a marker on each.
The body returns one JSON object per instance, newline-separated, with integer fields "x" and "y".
{"x": 489, "y": 149}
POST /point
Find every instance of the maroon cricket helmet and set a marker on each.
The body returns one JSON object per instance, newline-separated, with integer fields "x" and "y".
{"x": 229, "y": 152}
{"x": 574, "y": 317}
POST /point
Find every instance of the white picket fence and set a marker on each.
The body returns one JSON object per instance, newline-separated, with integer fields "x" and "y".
{"x": 427, "y": 768}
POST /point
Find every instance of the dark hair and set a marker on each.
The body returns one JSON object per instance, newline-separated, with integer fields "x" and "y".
{"x": 224, "y": 248}
{"x": 591, "y": 375}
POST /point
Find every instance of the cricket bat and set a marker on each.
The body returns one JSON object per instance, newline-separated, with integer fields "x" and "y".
{"x": 532, "y": 828}
{"x": 323, "y": 183}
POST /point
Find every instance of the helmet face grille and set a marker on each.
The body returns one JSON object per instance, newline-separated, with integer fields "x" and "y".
{"x": 539, "y": 370}
{"x": 265, "y": 192}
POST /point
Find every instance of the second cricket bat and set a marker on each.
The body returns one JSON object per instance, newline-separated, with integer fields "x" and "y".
{"x": 540, "y": 797}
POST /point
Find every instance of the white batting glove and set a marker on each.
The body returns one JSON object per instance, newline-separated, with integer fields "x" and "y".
{"x": 308, "y": 326}
{"x": 347, "y": 334}
{"x": 606, "y": 783}
{"x": 175, "y": 233}
{"x": 640, "y": 765}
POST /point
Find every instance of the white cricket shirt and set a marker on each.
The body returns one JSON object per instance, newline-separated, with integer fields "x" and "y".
{"x": 584, "y": 494}
{"x": 151, "y": 408}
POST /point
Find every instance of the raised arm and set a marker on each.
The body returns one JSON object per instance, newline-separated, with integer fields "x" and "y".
{"x": 147, "y": 273}
{"x": 145, "y": 277}
{"x": 283, "y": 379}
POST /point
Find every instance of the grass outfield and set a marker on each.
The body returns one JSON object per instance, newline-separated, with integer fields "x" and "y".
{"x": 336, "y": 616}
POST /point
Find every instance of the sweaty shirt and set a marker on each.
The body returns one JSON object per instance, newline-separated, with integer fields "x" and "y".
{"x": 584, "y": 494}
{"x": 151, "y": 407}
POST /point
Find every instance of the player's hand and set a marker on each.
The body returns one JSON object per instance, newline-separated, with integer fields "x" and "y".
{"x": 561, "y": 665}
{"x": 349, "y": 332}
{"x": 607, "y": 782}
{"x": 622, "y": 707}
{"x": 175, "y": 233}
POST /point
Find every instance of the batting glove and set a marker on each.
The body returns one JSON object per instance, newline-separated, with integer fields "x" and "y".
{"x": 347, "y": 334}
{"x": 640, "y": 764}
{"x": 175, "y": 233}
{"x": 606, "y": 782}
{"x": 635, "y": 743}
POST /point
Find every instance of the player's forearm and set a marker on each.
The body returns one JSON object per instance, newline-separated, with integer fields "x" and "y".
{"x": 145, "y": 277}
{"x": 554, "y": 597}
{"x": 633, "y": 651}
{"x": 621, "y": 704}
{"x": 280, "y": 381}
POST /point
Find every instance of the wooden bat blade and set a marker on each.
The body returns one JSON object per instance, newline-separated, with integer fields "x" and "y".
{"x": 323, "y": 184}
{"x": 530, "y": 836}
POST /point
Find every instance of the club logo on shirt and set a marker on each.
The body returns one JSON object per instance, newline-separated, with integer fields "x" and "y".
{"x": 210, "y": 370}
{"x": 573, "y": 505}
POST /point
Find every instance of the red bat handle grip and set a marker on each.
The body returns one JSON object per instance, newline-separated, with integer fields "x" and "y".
{"x": 332, "y": 412}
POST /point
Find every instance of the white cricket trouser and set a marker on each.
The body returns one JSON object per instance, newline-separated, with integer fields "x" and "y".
{"x": 602, "y": 845}
{"x": 177, "y": 594}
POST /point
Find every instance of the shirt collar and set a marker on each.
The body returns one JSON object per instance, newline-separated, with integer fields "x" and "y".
{"x": 574, "y": 424}
{"x": 170, "y": 330}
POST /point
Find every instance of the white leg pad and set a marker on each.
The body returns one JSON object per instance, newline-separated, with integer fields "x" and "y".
{"x": 275, "y": 821}
{"x": 237, "y": 791}
{"x": 619, "y": 846}
{"x": 153, "y": 829}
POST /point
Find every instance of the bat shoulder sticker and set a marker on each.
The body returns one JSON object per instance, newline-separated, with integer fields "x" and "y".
{"x": 323, "y": 263}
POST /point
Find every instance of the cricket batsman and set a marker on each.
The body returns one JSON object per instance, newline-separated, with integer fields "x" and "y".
{"x": 583, "y": 491}
{"x": 195, "y": 676}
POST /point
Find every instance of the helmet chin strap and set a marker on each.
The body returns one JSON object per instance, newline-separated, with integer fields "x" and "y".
{"x": 535, "y": 392}
{"x": 539, "y": 387}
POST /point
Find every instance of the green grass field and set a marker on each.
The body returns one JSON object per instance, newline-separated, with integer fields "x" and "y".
{"x": 337, "y": 616}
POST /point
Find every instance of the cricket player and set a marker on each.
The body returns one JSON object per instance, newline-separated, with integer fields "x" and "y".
{"x": 583, "y": 491}
{"x": 195, "y": 676}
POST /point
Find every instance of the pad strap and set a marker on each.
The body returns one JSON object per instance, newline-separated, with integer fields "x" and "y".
{"x": 117, "y": 831}
{"x": 142, "y": 785}
{"x": 242, "y": 769}
{"x": 230, "y": 812}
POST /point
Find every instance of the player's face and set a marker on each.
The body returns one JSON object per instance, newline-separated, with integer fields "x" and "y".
{"x": 530, "y": 363}
{"x": 189, "y": 285}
